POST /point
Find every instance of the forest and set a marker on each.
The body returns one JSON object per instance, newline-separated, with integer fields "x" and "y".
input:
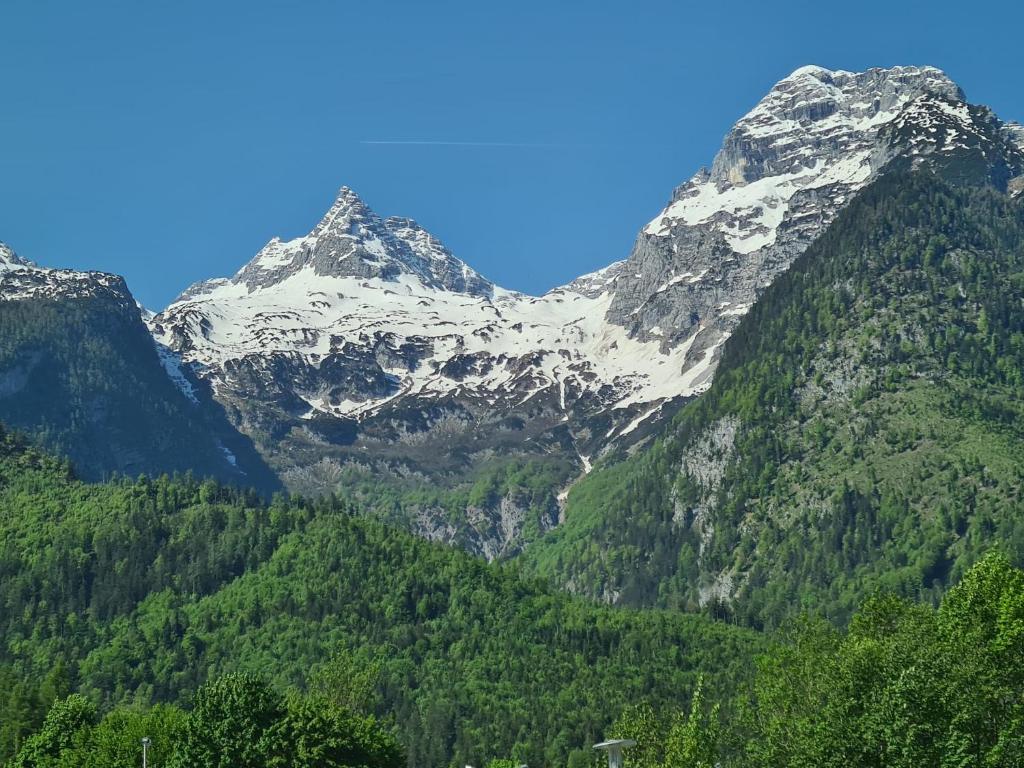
{"x": 905, "y": 685}
{"x": 863, "y": 431}
{"x": 139, "y": 592}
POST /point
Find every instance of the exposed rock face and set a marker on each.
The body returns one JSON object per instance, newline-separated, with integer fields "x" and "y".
{"x": 1016, "y": 133}
{"x": 784, "y": 171}
{"x": 368, "y": 341}
{"x": 493, "y": 531}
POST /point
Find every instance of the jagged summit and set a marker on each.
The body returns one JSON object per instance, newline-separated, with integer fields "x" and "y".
{"x": 814, "y": 112}
{"x": 10, "y": 260}
{"x": 932, "y": 78}
{"x": 815, "y": 129}
{"x": 783, "y": 172}
{"x": 351, "y": 240}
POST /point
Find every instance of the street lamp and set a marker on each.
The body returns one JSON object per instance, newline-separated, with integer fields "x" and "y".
{"x": 614, "y": 749}
{"x": 145, "y": 746}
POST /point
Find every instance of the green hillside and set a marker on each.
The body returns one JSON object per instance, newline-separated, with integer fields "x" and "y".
{"x": 140, "y": 591}
{"x": 864, "y": 430}
{"x": 81, "y": 375}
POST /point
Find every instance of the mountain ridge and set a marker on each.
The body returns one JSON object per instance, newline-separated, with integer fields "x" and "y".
{"x": 366, "y": 345}
{"x": 863, "y": 433}
{"x": 80, "y": 371}
{"x": 359, "y": 351}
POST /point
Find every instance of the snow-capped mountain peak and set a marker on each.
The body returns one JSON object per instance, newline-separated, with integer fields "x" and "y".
{"x": 785, "y": 169}
{"x": 10, "y": 260}
{"x": 813, "y": 129}
{"x": 351, "y": 240}
{"x": 373, "y": 322}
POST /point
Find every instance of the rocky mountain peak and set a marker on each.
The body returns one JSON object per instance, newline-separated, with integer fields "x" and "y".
{"x": 351, "y": 240}
{"x": 816, "y": 113}
{"x": 785, "y": 169}
{"x": 10, "y": 260}
{"x": 347, "y": 214}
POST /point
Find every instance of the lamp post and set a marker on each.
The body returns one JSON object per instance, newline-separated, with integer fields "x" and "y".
{"x": 145, "y": 747}
{"x": 614, "y": 749}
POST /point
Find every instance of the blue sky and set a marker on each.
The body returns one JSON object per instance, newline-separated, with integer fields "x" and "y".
{"x": 169, "y": 141}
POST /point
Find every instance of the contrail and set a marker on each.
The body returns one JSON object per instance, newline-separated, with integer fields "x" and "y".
{"x": 427, "y": 143}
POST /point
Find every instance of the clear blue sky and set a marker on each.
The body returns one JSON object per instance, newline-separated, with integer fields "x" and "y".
{"x": 168, "y": 141}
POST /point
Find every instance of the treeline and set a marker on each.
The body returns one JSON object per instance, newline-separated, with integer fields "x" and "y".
{"x": 142, "y": 591}
{"x": 863, "y": 430}
{"x": 236, "y": 720}
{"x": 907, "y": 685}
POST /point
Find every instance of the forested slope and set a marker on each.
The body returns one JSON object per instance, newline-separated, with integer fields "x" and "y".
{"x": 864, "y": 430}
{"x": 139, "y": 591}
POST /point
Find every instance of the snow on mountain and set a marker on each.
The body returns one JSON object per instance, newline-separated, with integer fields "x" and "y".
{"x": 10, "y": 260}
{"x": 353, "y": 241}
{"x": 433, "y": 326}
{"x": 368, "y": 338}
{"x": 22, "y": 279}
{"x": 814, "y": 129}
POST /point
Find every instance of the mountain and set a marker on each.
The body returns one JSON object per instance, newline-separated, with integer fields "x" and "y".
{"x": 783, "y": 173}
{"x": 370, "y": 331}
{"x": 79, "y": 370}
{"x": 364, "y": 347}
{"x": 864, "y": 429}
{"x": 368, "y": 343}
{"x": 139, "y": 591}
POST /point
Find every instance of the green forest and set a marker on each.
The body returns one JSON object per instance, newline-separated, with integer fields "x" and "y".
{"x": 904, "y": 685}
{"x": 139, "y": 592}
{"x": 863, "y": 429}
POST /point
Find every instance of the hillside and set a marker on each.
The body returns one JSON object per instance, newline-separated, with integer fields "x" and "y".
{"x": 863, "y": 432}
{"x": 80, "y": 372}
{"x": 140, "y": 591}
